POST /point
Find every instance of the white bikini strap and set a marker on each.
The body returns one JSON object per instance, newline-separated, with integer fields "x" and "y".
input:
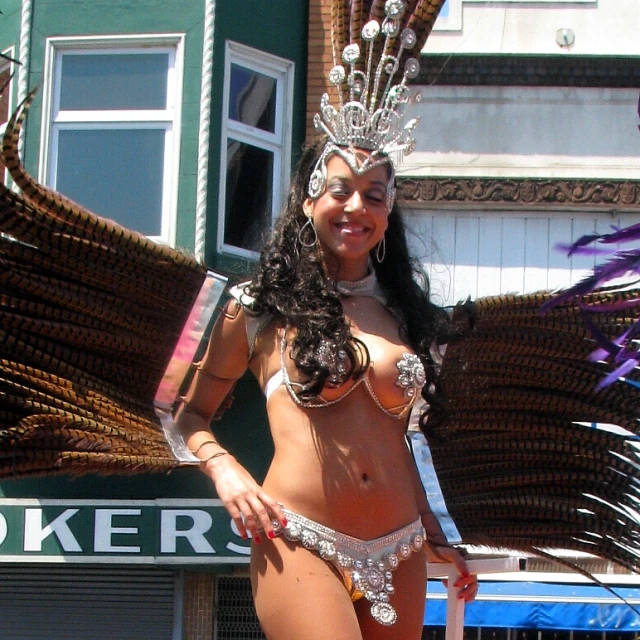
{"x": 254, "y": 323}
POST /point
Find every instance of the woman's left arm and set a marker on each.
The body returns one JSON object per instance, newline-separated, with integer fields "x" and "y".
{"x": 436, "y": 544}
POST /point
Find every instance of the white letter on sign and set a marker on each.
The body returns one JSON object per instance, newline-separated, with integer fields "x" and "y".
{"x": 3, "y": 528}
{"x": 202, "y": 522}
{"x": 34, "y": 533}
{"x": 104, "y": 529}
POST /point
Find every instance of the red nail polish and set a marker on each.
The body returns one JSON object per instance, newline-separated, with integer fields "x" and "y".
{"x": 256, "y": 539}
{"x": 244, "y": 535}
{"x": 284, "y": 522}
{"x": 271, "y": 535}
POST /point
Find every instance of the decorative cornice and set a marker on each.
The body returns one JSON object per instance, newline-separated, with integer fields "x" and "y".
{"x": 532, "y": 71}
{"x": 503, "y": 193}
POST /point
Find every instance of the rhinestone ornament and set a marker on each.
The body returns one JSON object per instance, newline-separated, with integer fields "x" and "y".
{"x": 371, "y": 109}
{"x": 369, "y": 575}
{"x": 384, "y": 613}
{"x": 412, "y": 375}
{"x": 370, "y": 31}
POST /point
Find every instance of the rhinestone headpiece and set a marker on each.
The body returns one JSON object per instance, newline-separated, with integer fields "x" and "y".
{"x": 371, "y": 110}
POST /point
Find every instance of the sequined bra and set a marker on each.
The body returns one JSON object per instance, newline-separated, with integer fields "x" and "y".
{"x": 411, "y": 374}
{"x": 411, "y": 378}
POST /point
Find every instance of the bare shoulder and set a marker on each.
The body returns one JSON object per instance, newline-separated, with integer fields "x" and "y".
{"x": 228, "y": 351}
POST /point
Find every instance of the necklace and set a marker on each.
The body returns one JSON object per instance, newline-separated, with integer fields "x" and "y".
{"x": 367, "y": 286}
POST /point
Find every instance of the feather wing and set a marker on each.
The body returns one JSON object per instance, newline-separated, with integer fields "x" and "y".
{"x": 521, "y": 462}
{"x": 90, "y": 313}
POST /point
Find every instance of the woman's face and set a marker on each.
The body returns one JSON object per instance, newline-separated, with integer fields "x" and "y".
{"x": 351, "y": 215}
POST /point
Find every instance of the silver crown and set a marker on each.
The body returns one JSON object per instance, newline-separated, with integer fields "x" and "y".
{"x": 371, "y": 108}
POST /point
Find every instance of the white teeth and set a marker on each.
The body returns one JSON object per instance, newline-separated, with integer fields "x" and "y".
{"x": 352, "y": 228}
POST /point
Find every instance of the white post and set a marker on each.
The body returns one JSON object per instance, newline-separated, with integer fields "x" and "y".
{"x": 455, "y": 607}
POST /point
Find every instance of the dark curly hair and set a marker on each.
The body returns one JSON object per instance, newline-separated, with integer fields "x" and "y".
{"x": 291, "y": 285}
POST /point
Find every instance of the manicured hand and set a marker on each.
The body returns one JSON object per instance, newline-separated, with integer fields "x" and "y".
{"x": 251, "y": 509}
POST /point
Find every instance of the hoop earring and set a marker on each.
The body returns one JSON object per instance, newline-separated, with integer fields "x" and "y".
{"x": 381, "y": 249}
{"x": 314, "y": 242}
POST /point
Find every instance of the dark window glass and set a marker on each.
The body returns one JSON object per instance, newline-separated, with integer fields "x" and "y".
{"x": 4, "y": 95}
{"x": 434, "y": 633}
{"x": 252, "y": 98}
{"x": 490, "y": 633}
{"x": 247, "y": 218}
{"x": 4, "y": 108}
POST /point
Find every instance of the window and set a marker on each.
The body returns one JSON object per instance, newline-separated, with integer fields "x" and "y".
{"x": 114, "y": 136}
{"x": 255, "y": 147}
{"x": 6, "y": 69}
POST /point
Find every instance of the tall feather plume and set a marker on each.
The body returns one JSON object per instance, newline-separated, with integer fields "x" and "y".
{"x": 520, "y": 463}
{"x": 376, "y": 10}
{"x": 340, "y": 29}
{"x": 419, "y": 15}
{"x": 90, "y": 313}
{"x": 357, "y": 19}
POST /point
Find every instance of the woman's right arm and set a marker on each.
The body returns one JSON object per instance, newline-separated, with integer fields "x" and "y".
{"x": 225, "y": 361}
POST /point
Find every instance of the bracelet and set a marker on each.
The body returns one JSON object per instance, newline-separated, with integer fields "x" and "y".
{"x": 434, "y": 549}
{"x": 202, "y": 444}
{"x": 214, "y": 456}
{"x": 212, "y": 376}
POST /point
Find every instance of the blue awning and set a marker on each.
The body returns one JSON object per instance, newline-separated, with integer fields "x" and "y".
{"x": 538, "y": 605}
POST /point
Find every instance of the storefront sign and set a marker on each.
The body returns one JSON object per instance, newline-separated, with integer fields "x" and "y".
{"x": 142, "y": 531}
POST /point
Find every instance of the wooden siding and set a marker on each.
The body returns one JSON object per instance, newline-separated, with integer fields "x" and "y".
{"x": 488, "y": 253}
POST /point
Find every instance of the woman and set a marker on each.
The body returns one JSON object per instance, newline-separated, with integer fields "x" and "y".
{"x": 333, "y": 347}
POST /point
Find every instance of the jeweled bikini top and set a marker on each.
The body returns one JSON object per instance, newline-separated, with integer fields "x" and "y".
{"x": 411, "y": 374}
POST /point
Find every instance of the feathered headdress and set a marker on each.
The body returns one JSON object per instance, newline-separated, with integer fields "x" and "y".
{"x": 379, "y": 43}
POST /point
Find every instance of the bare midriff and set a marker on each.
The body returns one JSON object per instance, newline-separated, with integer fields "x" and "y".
{"x": 346, "y": 466}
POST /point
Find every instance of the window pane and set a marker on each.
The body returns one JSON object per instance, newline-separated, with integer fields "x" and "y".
{"x": 116, "y": 173}
{"x": 247, "y": 220}
{"x": 4, "y": 94}
{"x": 4, "y": 107}
{"x": 114, "y": 81}
{"x": 252, "y": 98}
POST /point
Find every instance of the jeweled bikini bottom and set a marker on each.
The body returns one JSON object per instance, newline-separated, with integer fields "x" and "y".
{"x": 366, "y": 566}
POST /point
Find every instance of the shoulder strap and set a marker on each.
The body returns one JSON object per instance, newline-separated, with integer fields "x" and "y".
{"x": 255, "y": 323}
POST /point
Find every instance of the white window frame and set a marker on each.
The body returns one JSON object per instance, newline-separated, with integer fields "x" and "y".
{"x": 11, "y": 67}
{"x": 54, "y": 120}
{"x": 278, "y": 142}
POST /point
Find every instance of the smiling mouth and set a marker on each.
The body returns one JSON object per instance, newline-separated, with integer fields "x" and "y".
{"x": 350, "y": 228}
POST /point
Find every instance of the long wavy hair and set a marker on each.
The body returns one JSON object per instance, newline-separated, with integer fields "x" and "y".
{"x": 292, "y": 286}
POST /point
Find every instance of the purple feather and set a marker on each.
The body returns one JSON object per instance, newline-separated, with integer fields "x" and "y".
{"x": 572, "y": 249}
{"x": 580, "y": 242}
{"x": 625, "y": 234}
{"x": 622, "y": 353}
{"x": 620, "y": 372}
{"x": 613, "y": 307}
